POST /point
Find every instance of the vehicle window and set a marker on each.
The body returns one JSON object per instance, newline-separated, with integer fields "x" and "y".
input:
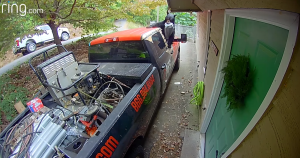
{"x": 159, "y": 43}
{"x": 124, "y": 51}
{"x": 45, "y": 27}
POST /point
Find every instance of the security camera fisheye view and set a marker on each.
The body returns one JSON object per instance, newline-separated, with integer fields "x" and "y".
{"x": 149, "y": 79}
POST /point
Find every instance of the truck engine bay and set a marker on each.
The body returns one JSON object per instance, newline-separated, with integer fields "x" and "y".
{"x": 83, "y": 95}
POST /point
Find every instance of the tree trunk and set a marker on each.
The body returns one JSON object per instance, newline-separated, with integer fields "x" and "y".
{"x": 57, "y": 41}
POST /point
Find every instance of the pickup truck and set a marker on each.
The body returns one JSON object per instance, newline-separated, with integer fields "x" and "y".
{"x": 98, "y": 109}
{"x": 29, "y": 43}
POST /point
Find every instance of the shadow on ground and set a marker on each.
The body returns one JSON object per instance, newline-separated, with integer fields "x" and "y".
{"x": 175, "y": 114}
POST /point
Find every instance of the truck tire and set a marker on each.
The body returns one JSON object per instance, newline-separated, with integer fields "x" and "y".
{"x": 30, "y": 47}
{"x": 177, "y": 63}
{"x": 138, "y": 152}
{"x": 25, "y": 52}
{"x": 65, "y": 36}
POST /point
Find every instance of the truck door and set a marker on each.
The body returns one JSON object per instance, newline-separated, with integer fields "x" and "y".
{"x": 163, "y": 58}
{"x": 48, "y": 33}
{"x": 173, "y": 51}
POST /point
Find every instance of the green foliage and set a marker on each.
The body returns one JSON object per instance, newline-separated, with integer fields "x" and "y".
{"x": 88, "y": 39}
{"x": 132, "y": 25}
{"x": 13, "y": 26}
{"x": 187, "y": 19}
{"x": 238, "y": 81}
{"x": 10, "y": 94}
{"x": 93, "y": 15}
{"x": 146, "y": 18}
{"x": 198, "y": 92}
{"x": 143, "y": 19}
{"x": 162, "y": 13}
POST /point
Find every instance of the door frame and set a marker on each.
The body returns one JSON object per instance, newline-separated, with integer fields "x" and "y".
{"x": 286, "y": 20}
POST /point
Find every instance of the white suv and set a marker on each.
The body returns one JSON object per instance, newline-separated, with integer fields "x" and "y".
{"x": 30, "y": 42}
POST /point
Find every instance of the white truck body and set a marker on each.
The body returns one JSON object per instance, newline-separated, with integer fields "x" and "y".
{"x": 29, "y": 42}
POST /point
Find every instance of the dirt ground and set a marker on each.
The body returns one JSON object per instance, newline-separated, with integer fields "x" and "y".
{"x": 25, "y": 77}
{"x": 165, "y": 136}
{"x": 10, "y": 56}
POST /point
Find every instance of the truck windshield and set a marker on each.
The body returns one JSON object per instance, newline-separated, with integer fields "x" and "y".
{"x": 131, "y": 51}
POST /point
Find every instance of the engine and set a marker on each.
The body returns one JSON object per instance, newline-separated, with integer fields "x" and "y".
{"x": 83, "y": 98}
{"x": 63, "y": 76}
{"x": 52, "y": 133}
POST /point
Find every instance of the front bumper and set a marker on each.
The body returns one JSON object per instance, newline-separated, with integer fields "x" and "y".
{"x": 16, "y": 50}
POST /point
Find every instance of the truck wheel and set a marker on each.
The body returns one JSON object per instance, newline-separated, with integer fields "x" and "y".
{"x": 177, "y": 64}
{"x": 65, "y": 36}
{"x": 30, "y": 47}
{"x": 25, "y": 52}
{"x": 138, "y": 152}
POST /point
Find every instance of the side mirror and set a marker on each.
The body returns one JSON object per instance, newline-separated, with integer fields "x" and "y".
{"x": 183, "y": 38}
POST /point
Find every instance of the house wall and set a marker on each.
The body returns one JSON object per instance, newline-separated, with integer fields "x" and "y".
{"x": 201, "y": 42}
{"x": 201, "y": 47}
{"x": 217, "y": 22}
{"x": 288, "y": 5}
{"x": 277, "y": 132}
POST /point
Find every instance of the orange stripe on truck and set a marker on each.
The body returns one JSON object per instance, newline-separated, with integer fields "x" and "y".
{"x": 140, "y": 97}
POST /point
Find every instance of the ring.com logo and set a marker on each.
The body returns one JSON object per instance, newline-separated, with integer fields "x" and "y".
{"x": 15, "y": 8}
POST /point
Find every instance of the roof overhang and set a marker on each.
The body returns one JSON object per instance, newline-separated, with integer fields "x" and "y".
{"x": 183, "y": 6}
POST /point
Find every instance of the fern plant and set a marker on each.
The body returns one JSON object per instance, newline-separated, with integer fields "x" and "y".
{"x": 238, "y": 81}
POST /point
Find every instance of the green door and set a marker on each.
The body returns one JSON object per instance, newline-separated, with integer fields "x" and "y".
{"x": 265, "y": 45}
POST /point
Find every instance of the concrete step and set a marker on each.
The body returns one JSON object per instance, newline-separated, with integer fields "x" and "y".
{"x": 191, "y": 144}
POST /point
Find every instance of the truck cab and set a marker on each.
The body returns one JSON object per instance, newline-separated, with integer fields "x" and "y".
{"x": 138, "y": 46}
{"x": 98, "y": 109}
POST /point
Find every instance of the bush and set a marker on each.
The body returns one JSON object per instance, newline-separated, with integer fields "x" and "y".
{"x": 145, "y": 19}
{"x": 10, "y": 94}
{"x": 186, "y": 19}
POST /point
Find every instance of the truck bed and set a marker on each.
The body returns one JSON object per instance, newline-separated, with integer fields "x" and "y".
{"x": 131, "y": 116}
{"x": 136, "y": 72}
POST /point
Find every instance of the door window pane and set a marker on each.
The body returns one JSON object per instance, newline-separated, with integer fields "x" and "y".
{"x": 45, "y": 27}
{"x": 159, "y": 43}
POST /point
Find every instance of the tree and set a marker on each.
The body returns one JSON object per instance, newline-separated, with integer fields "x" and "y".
{"x": 187, "y": 19}
{"x": 93, "y": 15}
{"x": 12, "y": 26}
{"x": 146, "y": 18}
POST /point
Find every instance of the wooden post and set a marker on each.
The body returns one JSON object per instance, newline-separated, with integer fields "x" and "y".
{"x": 19, "y": 107}
{"x": 157, "y": 13}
